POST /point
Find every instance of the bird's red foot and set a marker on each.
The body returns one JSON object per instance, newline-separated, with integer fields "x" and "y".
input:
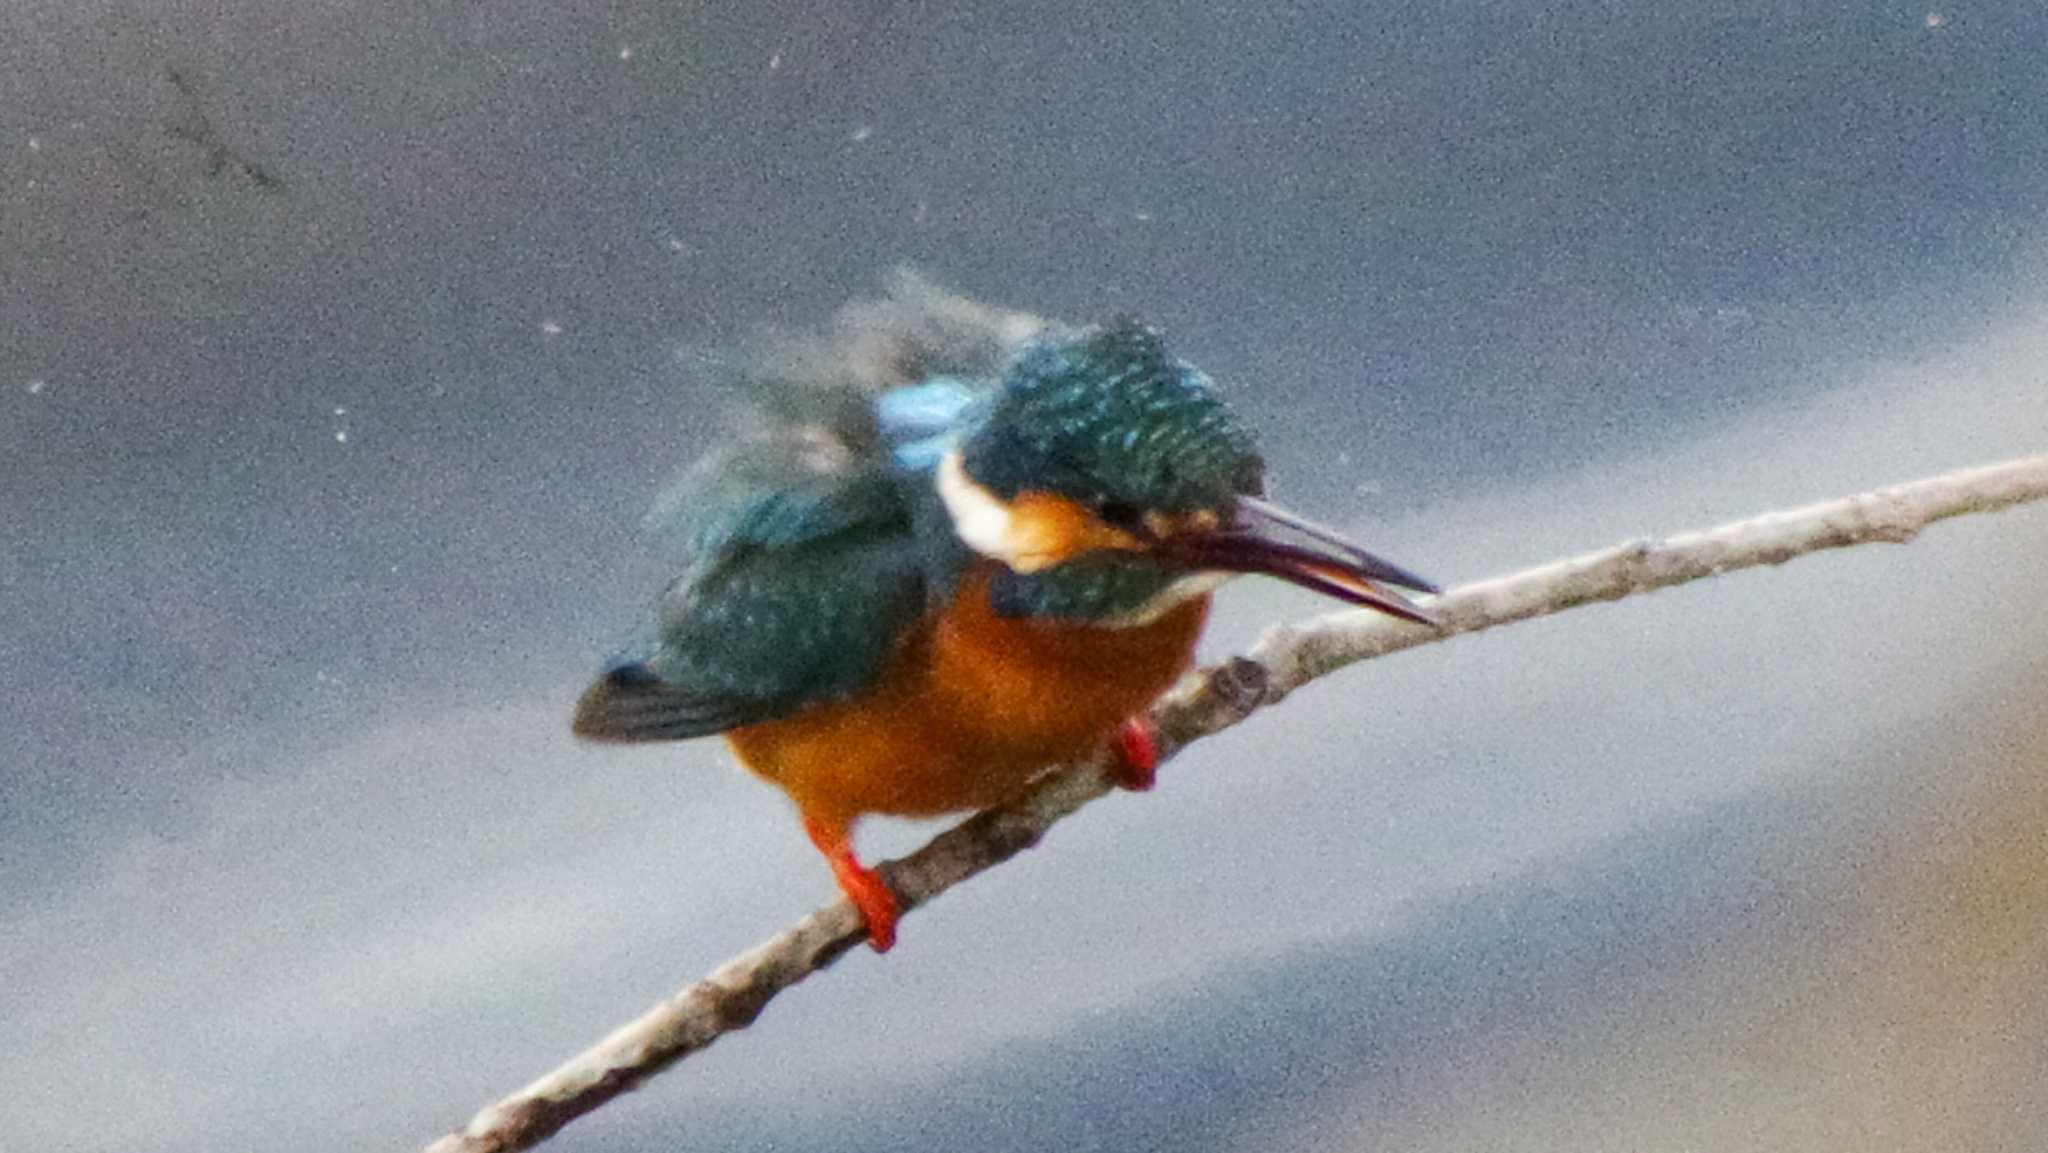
{"x": 861, "y": 885}
{"x": 1137, "y": 756}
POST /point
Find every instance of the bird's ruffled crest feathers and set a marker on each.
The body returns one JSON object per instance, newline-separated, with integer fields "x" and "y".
{"x": 919, "y": 330}
{"x": 813, "y": 454}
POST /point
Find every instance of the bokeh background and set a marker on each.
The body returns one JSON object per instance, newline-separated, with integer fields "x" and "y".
{"x": 342, "y": 345}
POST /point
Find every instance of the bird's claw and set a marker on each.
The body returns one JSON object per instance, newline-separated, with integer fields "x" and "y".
{"x": 870, "y": 896}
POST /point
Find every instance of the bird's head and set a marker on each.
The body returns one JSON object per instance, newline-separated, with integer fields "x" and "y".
{"x": 1102, "y": 454}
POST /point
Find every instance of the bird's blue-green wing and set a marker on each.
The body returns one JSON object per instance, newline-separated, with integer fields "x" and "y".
{"x": 810, "y": 547}
{"x": 792, "y": 595}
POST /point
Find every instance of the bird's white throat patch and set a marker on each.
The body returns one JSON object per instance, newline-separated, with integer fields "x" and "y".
{"x": 989, "y": 525}
{"x": 982, "y": 519}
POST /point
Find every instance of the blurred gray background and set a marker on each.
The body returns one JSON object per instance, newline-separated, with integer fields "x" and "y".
{"x": 342, "y": 345}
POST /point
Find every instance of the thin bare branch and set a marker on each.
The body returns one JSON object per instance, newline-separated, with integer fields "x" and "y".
{"x": 1207, "y": 702}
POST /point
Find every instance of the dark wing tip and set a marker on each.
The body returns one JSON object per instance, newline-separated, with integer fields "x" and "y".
{"x": 630, "y": 702}
{"x": 631, "y": 675}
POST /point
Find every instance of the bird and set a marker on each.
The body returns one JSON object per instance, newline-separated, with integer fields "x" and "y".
{"x": 961, "y": 544}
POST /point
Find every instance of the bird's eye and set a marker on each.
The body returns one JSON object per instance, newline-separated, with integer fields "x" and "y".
{"x": 1122, "y": 514}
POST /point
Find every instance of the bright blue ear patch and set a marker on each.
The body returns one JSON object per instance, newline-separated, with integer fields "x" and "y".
{"x": 921, "y": 421}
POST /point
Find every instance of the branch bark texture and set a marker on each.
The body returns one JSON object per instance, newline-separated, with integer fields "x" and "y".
{"x": 1206, "y": 702}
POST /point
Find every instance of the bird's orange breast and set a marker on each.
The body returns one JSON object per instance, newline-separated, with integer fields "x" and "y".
{"x": 970, "y": 708}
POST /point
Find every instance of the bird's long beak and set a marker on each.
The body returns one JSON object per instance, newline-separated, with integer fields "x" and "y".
{"x": 1264, "y": 538}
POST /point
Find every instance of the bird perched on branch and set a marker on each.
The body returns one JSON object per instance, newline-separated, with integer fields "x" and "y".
{"x": 965, "y": 545}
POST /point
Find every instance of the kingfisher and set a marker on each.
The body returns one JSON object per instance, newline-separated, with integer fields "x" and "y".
{"x": 964, "y": 545}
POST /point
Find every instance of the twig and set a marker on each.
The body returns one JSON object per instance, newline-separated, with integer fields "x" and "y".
{"x": 1207, "y": 702}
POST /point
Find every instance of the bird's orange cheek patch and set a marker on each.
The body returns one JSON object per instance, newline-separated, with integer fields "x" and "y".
{"x": 1047, "y": 529}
